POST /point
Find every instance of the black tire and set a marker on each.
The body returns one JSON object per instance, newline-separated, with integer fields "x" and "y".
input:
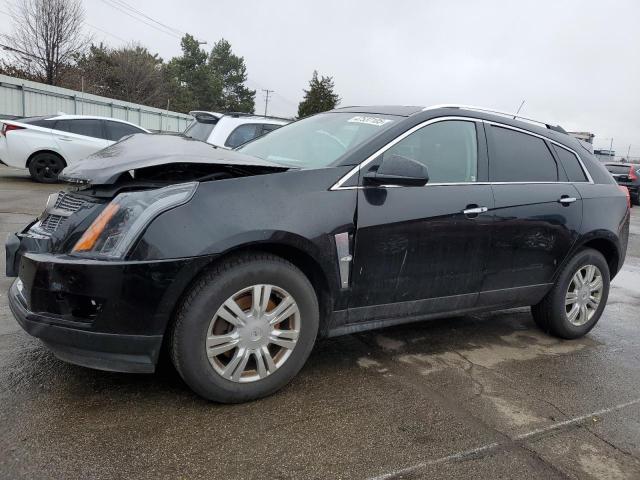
{"x": 551, "y": 313}
{"x": 201, "y": 303}
{"x": 45, "y": 167}
{"x": 635, "y": 199}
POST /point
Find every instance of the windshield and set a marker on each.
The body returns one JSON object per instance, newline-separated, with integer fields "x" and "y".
{"x": 317, "y": 141}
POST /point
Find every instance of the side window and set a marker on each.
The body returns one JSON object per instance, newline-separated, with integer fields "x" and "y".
{"x": 518, "y": 157}
{"x": 243, "y": 134}
{"x": 448, "y": 149}
{"x": 269, "y": 127}
{"x": 571, "y": 164}
{"x": 117, "y": 130}
{"x": 87, "y": 127}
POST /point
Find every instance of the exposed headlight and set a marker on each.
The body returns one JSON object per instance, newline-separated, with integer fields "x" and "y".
{"x": 118, "y": 226}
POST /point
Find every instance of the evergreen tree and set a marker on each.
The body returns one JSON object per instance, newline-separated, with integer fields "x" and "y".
{"x": 194, "y": 84}
{"x": 231, "y": 72}
{"x": 319, "y": 98}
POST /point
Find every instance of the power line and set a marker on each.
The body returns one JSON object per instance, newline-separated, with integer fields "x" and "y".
{"x": 108, "y": 33}
{"x": 21, "y": 52}
{"x": 119, "y": 8}
{"x": 135, "y": 13}
{"x": 139, "y": 12}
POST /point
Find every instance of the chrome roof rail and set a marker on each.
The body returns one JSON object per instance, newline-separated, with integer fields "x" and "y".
{"x": 514, "y": 116}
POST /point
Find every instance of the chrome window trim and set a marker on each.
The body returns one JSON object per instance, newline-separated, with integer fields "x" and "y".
{"x": 399, "y": 138}
{"x": 476, "y": 108}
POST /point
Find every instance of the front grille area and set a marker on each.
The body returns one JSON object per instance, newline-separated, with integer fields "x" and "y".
{"x": 50, "y": 223}
{"x": 67, "y": 202}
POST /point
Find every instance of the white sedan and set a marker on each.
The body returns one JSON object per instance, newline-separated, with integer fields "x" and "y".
{"x": 45, "y": 145}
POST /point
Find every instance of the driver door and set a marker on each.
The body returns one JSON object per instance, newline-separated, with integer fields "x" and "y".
{"x": 422, "y": 250}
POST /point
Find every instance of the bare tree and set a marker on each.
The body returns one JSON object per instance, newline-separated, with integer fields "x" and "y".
{"x": 47, "y": 35}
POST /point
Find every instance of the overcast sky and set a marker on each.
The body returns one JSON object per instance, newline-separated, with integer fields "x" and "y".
{"x": 575, "y": 63}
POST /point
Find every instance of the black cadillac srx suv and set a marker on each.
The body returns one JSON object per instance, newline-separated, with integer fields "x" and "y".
{"x": 353, "y": 219}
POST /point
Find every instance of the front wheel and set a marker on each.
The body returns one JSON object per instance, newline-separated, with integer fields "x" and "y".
{"x": 576, "y": 301}
{"x": 245, "y": 328}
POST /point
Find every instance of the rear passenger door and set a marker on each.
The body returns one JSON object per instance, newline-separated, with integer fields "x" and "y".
{"x": 537, "y": 215}
{"x": 79, "y": 138}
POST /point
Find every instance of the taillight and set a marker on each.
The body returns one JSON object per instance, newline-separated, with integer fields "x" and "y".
{"x": 8, "y": 127}
{"x": 632, "y": 174}
{"x": 626, "y": 191}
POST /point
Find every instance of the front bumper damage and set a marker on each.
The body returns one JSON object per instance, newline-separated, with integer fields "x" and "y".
{"x": 99, "y": 314}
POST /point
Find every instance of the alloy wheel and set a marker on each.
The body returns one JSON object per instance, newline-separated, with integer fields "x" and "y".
{"x": 583, "y": 295}
{"x": 253, "y": 333}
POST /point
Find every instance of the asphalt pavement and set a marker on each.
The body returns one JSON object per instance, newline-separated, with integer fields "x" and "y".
{"x": 479, "y": 396}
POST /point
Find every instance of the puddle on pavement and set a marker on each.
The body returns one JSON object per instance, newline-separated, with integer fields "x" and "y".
{"x": 516, "y": 346}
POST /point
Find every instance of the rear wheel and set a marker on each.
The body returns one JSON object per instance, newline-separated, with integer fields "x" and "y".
{"x": 576, "y": 301}
{"x": 45, "y": 167}
{"x": 245, "y": 329}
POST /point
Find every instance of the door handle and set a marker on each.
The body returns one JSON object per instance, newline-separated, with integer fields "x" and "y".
{"x": 66, "y": 139}
{"x": 472, "y": 210}
{"x": 567, "y": 200}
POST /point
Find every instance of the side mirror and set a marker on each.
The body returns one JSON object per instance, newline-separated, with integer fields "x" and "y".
{"x": 398, "y": 170}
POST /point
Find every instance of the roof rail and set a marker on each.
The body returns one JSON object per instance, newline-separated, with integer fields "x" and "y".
{"x": 515, "y": 116}
{"x": 245, "y": 114}
{"x": 219, "y": 115}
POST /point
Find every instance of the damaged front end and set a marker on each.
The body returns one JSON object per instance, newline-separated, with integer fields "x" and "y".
{"x": 115, "y": 193}
{"x": 79, "y": 289}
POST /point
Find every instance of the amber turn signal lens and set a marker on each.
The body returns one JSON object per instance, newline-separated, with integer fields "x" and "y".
{"x": 91, "y": 235}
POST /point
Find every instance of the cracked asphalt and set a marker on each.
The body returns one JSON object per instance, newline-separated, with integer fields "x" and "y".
{"x": 480, "y": 396}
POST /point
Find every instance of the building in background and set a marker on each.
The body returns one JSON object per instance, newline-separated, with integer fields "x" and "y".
{"x": 605, "y": 155}
{"x": 584, "y": 136}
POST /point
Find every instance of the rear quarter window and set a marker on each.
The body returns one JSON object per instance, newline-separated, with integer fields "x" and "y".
{"x": 570, "y": 164}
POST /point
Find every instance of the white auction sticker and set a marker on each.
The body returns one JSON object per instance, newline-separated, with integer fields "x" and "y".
{"x": 378, "y": 122}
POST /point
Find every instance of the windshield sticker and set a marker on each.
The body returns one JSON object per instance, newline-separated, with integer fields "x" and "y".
{"x": 378, "y": 122}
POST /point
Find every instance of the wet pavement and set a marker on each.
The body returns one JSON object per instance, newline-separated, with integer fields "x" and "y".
{"x": 480, "y": 396}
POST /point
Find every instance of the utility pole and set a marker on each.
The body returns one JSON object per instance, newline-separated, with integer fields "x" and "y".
{"x": 611, "y": 150}
{"x": 266, "y": 99}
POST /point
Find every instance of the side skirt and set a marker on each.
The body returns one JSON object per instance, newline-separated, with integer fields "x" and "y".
{"x": 380, "y": 316}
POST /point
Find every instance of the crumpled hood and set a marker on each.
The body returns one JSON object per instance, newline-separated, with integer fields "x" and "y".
{"x": 147, "y": 150}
